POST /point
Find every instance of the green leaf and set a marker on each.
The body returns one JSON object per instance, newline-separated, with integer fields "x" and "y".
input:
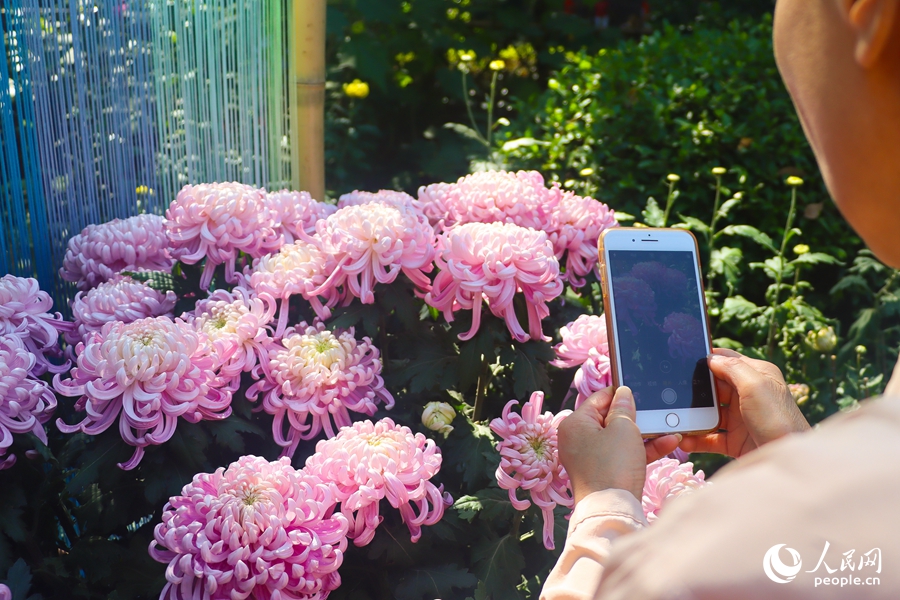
{"x": 350, "y": 316}
{"x": 434, "y": 582}
{"x": 727, "y": 261}
{"x": 433, "y": 367}
{"x": 499, "y": 563}
{"x": 850, "y": 282}
{"x": 817, "y": 258}
{"x": 465, "y": 131}
{"x": 753, "y": 233}
{"x": 491, "y": 503}
{"x": 623, "y": 217}
{"x": 103, "y": 454}
{"x": 228, "y": 432}
{"x": 729, "y": 343}
{"x": 863, "y": 320}
{"x": 772, "y": 266}
{"x": 11, "y": 505}
{"x": 692, "y": 223}
{"x": 738, "y": 307}
{"x": 726, "y": 207}
{"x": 524, "y": 141}
{"x": 530, "y": 368}
{"x": 653, "y": 215}
{"x": 18, "y": 579}
{"x": 471, "y": 450}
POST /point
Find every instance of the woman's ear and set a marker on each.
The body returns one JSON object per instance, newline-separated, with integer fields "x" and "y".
{"x": 873, "y": 23}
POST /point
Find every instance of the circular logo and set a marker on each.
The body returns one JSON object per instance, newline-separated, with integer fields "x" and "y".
{"x": 776, "y": 570}
{"x": 665, "y": 366}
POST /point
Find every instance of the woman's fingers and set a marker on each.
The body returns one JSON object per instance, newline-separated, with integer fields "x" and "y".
{"x": 598, "y": 403}
{"x": 710, "y": 442}
{"x": 661, "y": 446}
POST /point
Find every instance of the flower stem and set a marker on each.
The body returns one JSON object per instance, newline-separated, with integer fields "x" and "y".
{"x": 770, "y": 342}
{"x": 481, "y": 389}
{"x": 469, "y": 110}
{"x": 490, "y": 108}
{"x": 670, "y": 199}
{"x": 715, "y": 215}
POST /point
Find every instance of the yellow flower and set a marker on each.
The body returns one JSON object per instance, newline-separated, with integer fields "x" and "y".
{"x": 585, "y": 172}
{"x": 718, "y": 171}
{"x": 467, "y": 56}
{"x": 356, "y": 89}
{"x": 497, "y": 65}
{"x": 801, "y": 249}
{"x": 672, "y": 177}
{"x": 793, "y": 181}
{"x": 860, "y": 349}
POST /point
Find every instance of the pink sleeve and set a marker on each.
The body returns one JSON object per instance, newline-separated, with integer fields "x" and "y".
{"x": 597, "y": 520}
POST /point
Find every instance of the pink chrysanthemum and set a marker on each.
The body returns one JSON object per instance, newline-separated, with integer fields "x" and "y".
{"x": 492, "y": 197}
{"x": 577, "y": 227}
{"x": 26, "y": 403}
{"x": 316, "y": 376}
{"x": 5, "y": 593}
{"x": 634, "y": 300}
{"x": 394, "y": 198}
{"x": 298, "y": 268}
{"x": 101, "y": 251}
{"x": 668, "y": 478}
{"x": 259, "y": 530}
{"x": 235, "y": 325}
{"x": 367, "y": 462}
{"x": 585, "y": 345}
{"x": 215, "y": 221}
{"x": 685, "y": 336}
{"x": 666, "y": 282}
{"x": 529, "y": 459}
{"x": 151, "y": 372}
{"x": 491, "y": 262}
{"x": 24, "y": 313}
{"x": 119, "y": 299}
{"x": 295, "y": 214}
{"x": 372, "y": 243}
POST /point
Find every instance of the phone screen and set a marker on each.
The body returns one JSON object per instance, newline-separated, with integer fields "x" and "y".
{"x": 660, "y": 323}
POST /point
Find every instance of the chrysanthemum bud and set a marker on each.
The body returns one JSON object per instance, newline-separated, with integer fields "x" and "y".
{"x": 801, "y": 249}
{"x": 497, "y": 65}
{"x": 672, "y": 177}
{"x": 718, "y": 171}
{"x": 793, "y": 181}
{"x": 437, "y": 416}
{"x": 799, "y": 391}
{"x": 823, "y": 340}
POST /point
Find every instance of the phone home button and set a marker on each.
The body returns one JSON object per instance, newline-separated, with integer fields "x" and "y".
{"x": 672, "y": 420}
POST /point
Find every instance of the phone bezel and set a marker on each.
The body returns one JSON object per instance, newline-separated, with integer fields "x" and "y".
{"x": 691, "y": 421}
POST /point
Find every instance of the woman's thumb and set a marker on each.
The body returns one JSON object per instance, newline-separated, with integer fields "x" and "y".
{"x": 622, "y": 406}
{"x": 736, "y": 372}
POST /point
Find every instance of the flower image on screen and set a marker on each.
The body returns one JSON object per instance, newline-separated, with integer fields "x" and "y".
{"x": 659, "y": 318}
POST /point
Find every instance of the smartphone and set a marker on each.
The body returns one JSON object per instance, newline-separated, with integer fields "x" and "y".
{"x": 659, "y": 332}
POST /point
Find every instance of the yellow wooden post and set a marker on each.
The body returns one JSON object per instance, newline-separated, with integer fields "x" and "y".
{"x": 307, "y": 115}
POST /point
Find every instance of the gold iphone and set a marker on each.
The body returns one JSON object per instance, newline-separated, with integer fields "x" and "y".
{"x": 658, "y": 327}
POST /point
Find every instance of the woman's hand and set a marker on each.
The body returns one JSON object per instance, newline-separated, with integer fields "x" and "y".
{"x": 756, "y": 406}
{"x": 601, "y": 447}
